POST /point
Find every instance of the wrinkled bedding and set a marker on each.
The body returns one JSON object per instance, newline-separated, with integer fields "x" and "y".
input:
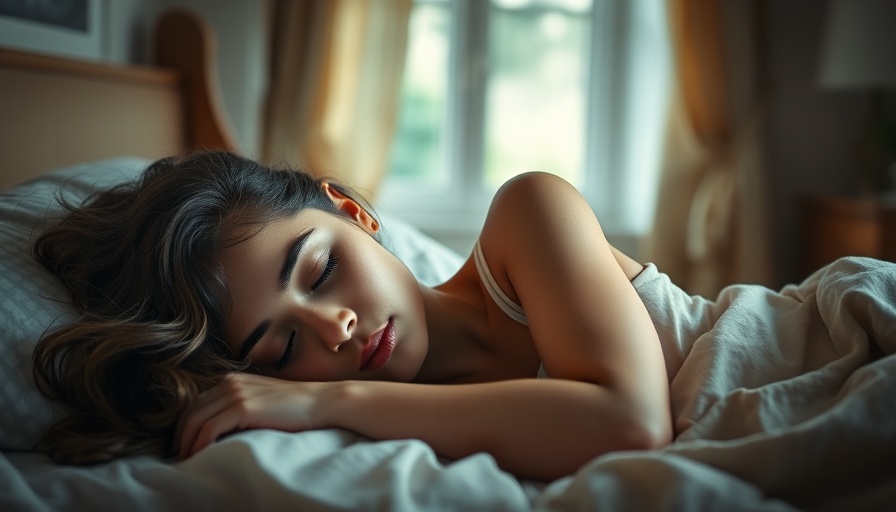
{"x": 781, "y": 400}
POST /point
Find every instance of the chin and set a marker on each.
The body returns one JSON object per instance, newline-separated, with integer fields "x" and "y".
{"x": 407, "y": 359}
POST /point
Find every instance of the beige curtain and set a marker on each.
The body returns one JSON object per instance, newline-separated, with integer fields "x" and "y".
{"x": 336, "y": 68}
{"x": 711, "y": 225}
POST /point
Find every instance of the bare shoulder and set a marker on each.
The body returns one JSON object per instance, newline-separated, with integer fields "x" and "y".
{"x": 533, "y": 190}
{"x": 586, "y": 321}
{"x": 517, "y": 206}
{"x": 525, "y": 205}
{"x": 539, "y": 209}
{"x": 547, "y": 249}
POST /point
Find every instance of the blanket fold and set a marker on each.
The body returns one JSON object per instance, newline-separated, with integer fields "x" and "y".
{"x": 782, "y": 400}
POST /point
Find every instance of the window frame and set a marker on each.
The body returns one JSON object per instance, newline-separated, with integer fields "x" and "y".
{"x": 458, "y": 207}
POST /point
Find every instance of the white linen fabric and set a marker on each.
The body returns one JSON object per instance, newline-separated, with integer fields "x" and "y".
{"x": 791, "y": 391}
{"x": 781, "y": 401}
{"x": 431, "y": 262}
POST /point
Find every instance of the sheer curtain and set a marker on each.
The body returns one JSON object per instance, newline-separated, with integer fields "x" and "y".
{"x": 336, "y": 69}
{"x": 710, "y": 227}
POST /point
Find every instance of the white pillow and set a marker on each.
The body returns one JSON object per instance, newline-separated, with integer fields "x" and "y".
{"x": 430, "y": 261}
{"x": 34, "y": 301}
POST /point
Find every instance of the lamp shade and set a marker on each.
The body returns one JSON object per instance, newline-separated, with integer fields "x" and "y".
{"x": 859, "y": 46}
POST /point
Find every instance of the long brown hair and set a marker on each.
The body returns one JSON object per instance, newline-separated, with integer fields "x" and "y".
{"x": 140, "y": 264}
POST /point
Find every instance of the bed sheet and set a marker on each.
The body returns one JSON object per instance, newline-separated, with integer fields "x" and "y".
{"x": 339, "y": 470}
{"x": 821, "y": 439}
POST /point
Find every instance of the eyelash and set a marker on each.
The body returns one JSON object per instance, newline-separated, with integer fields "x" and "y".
{"x": 288, "y": 353}
{"x": 332, "y": 262}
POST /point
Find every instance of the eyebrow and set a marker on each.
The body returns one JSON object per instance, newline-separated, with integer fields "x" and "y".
{"x": 253, "y": 338}
{"x": 285, "y": 277}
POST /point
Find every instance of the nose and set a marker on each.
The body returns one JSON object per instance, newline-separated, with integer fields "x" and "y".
{"x": 333, "y": 324}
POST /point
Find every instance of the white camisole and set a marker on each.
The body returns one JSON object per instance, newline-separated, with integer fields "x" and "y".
{"x": 508, "y": 306}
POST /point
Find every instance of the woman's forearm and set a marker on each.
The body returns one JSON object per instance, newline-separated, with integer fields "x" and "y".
{"x": 540, "y": 429}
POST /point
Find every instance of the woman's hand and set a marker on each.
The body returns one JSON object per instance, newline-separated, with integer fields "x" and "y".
{"x": 245, "y": 401}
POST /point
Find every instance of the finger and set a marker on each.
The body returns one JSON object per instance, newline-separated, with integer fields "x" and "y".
{"x": 196, "y": 418}
{"x": 228, "y": 420}
{"x": 198, "y": 403}
{"x": 222, "y": 389}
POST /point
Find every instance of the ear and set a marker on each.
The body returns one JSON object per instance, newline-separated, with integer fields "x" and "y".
{"x": 351, "y": 208}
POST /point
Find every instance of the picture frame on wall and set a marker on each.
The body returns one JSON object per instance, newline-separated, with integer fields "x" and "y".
{"x": 70, "y": 28}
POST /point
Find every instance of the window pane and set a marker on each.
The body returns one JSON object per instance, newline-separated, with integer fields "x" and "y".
{"x": 569, "y": 5}
{"x": 535, "y": 95}
{"x": 418, "y": 150}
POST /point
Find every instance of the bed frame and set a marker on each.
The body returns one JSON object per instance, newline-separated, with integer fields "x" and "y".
{"x": 59, "y": 111}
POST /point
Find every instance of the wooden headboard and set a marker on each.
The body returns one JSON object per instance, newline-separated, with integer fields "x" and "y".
{"x": 57, "y": 111}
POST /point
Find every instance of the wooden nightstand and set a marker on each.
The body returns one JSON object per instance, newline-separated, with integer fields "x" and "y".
{"x": 846, "y": 226}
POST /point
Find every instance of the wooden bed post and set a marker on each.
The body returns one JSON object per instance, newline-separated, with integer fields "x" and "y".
{"x": 187, "y": 44}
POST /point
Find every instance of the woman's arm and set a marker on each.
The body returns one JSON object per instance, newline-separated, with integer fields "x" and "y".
{"x": 541, "y": 429}
{"x": 609, "y": 389}
{"x": 548, "y": 251}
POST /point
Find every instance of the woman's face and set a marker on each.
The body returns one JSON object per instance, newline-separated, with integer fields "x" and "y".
{"x": 316, "y": 298}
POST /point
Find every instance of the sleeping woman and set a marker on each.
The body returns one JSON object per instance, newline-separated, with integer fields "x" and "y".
{"x": 217, "y": 295}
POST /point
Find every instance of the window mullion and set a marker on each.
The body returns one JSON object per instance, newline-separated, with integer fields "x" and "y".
{"x": 605, "y": 116}
{"x": 472, "y": 16}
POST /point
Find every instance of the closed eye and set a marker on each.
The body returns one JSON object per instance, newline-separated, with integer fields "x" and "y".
{"x": 288, "y": 353}
{"x": 332, "y": 262}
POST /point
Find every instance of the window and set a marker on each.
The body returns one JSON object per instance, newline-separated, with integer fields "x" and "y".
{"x": 495, "y": 88}
{"x": 419, "y": 150}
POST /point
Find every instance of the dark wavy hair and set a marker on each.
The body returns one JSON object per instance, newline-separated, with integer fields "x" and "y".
{"x": 140, "y": 264}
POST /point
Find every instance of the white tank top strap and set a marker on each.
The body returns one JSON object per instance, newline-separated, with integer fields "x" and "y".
{"x": 508, "y": 306}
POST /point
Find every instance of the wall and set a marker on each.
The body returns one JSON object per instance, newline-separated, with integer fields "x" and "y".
{"x": 240, "y": 27}
{"x": 811, "y": 131}
{"x": 125, "y": 28}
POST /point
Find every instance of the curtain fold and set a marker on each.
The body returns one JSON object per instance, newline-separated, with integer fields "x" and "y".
{"x": 336, "y": 69}
{"x": 710, "y": 228}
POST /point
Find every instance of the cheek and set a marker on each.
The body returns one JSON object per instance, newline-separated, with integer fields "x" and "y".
{"x": 394, "y": 281}
{"x": 414, "y": 336}
{"x": 380, "y": 275}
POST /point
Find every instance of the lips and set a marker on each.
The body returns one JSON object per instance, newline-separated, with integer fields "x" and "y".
{"x": 378, "y": 349}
